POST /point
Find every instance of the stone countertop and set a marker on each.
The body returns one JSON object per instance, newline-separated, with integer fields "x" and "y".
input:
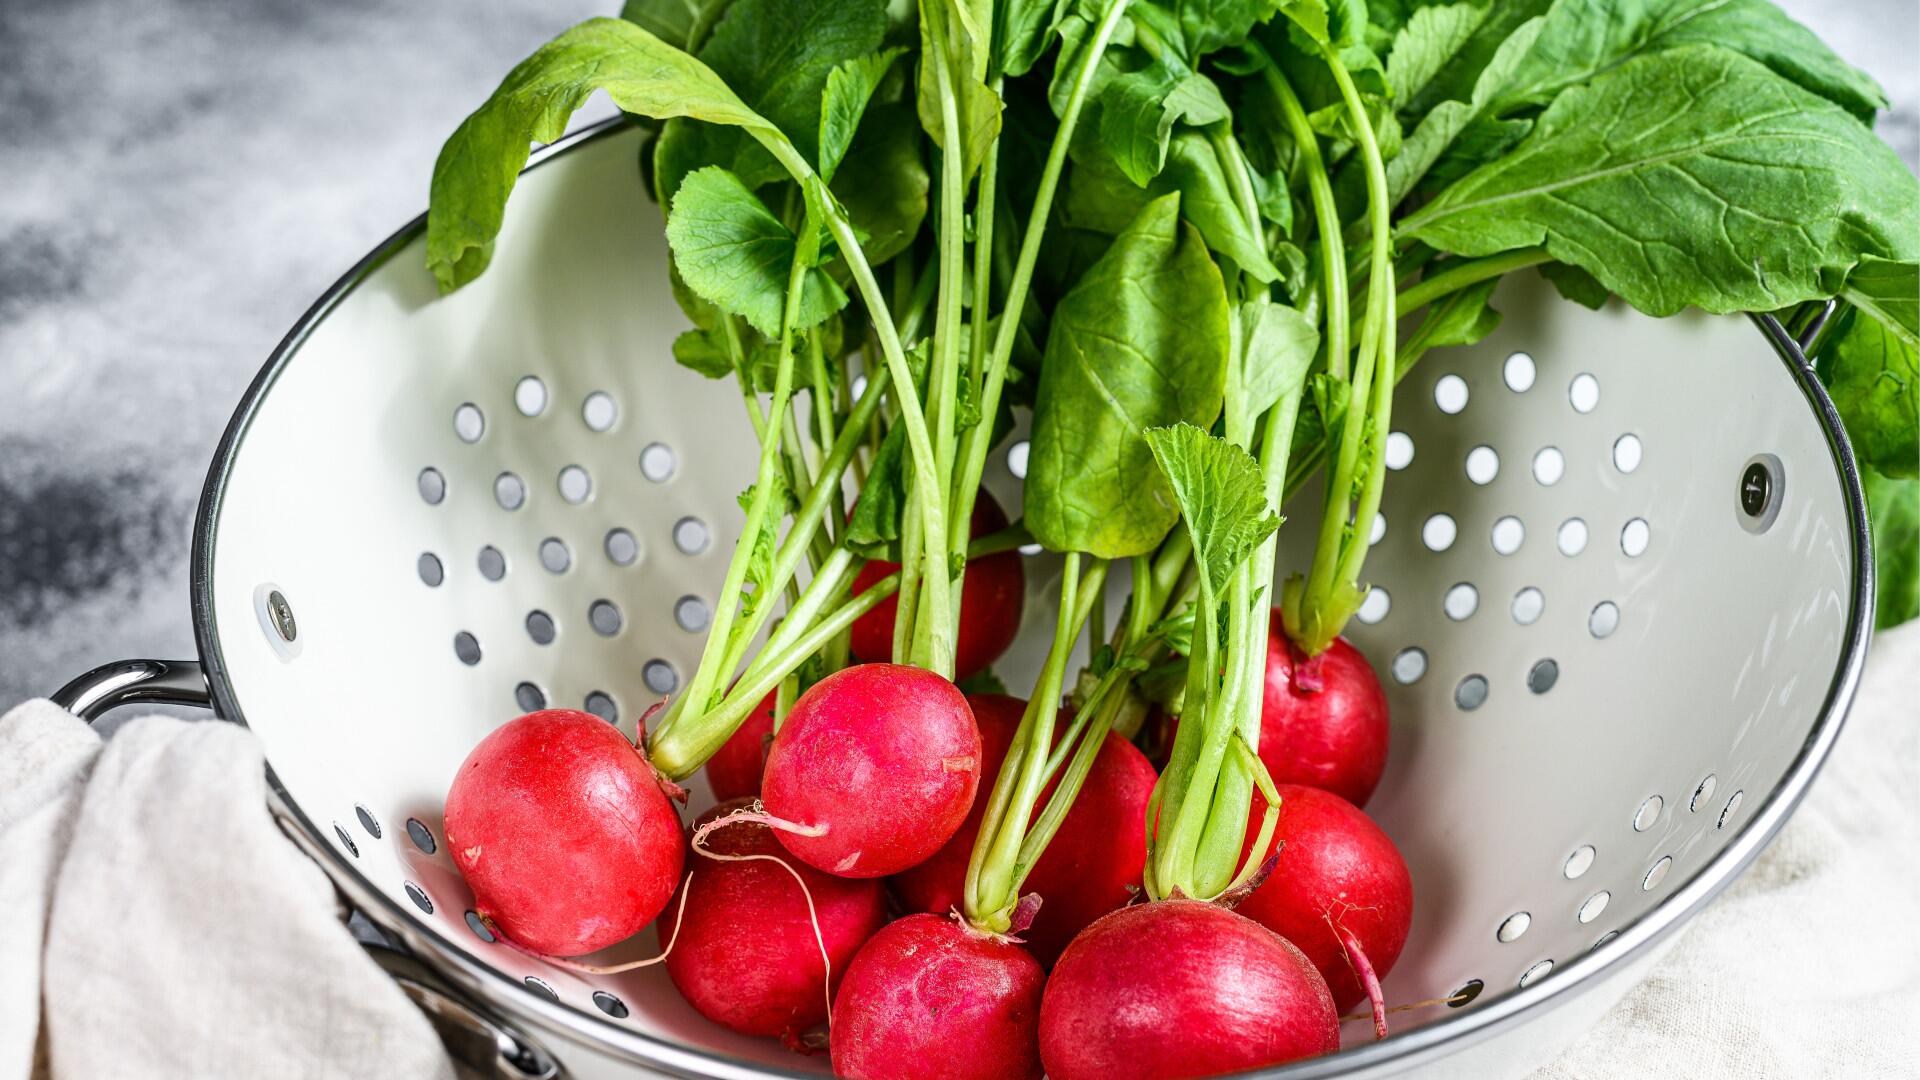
{"x": 182, "y": 178}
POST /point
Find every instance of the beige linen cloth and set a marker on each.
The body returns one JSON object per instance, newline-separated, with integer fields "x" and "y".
{"x": 159, "y": 925}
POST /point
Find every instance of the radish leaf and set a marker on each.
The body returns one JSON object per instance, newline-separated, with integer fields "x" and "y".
{"x": 731, "y": 250}
{"x": 1221, "y": 496}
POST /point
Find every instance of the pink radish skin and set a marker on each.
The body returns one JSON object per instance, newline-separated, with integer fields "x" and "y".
{"x": 563, "y": 832}
{"x": 1335, "y": 869}
{"x": 744, "y": 951}
{"x": 1091, "y": 867}
{"x": 734, "y": 770}
{"x": 874, "y": 769}
{"x": 1323, "y": 721}
{"x": 930, "y": 999}
{"x": 1181, "y": 988}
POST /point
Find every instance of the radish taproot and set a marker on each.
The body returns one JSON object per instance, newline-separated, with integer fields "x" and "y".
{"x": 564, "y": 832}
{"x": 734, "y": 770}
{"x": 873, "y": 770}
{"x": 1091, "y": 866}
{"x": 1323, "y": 720}
{"x": 930, "y": 998}
{"x": 991, "y": 597}
{"x": 1181, "y": 988}
{"x": 1334, "y": 871}
{"x": 745, "y": 952}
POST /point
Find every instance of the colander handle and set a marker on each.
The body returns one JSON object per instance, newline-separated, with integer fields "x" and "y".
{"x": 135, "y": 682}
{"x": 484, "y": 1045}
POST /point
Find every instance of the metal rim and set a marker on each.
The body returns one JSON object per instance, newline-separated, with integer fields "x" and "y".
{"x": 1423, "y": 1044}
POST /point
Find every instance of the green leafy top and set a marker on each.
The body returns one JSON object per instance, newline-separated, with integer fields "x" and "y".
{"x": 1221, "y": 497}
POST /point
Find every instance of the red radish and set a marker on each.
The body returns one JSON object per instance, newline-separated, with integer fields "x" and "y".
{"x": 873, "y": 769}
{"x": 734, "y": 770}
{"x": 744, "y": 949}
{"x": 1323, "y": 722}
{"x": 990, "y": 600}
{"x": 563, "y": 832}
{"x": 1093, "y": 863}
{"x": 1335, "y": 870}
{"x": 1181, "y": 988}
{"x": 931, "y": 999}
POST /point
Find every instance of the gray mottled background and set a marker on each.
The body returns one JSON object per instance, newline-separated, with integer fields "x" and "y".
{"x": 180, "y": 178}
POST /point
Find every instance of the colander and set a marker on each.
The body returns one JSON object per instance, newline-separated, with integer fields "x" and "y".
{"x": 1620, "y": 605}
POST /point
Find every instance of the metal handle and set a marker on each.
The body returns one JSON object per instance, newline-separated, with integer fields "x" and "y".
{"x": 483, "y": 1044}
{"x": 135, "y": 682}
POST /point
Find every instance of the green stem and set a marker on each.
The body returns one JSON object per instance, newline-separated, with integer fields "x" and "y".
{"x": 1326, "y": 213}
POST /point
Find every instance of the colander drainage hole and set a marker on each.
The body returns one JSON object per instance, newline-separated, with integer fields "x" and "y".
{"x": 1508, "y": 534}
{"x": 1656, "y": 875}
{"x": 509, "y": 491}
{"x": 1634, "y": 537}
{"x": 1515, "y": 925}
{"x": 421, "y": 836}
{"x": 431, "y": 572}
{"x": 610, "y": 1005}
{"x": 692, "y": 614}
{"x": 1409, "y": 665}
{"x": 419, "y": 897}
{"x": 621, "y": 547}
{"x": 1375, "y": 606}
{"x": 1471, "y": 693}
{"x": 467, "y": 648}
{"x": 1017, "y": 456}
{"x": 1450, "y": 394}
{"x": 660, "y": 676}
{"x": 604, "y": 616}
{"x": 539, "y": 986}
{"x": 690, "y": 535}
{"x": 1595, "y": 905}
{"x": 367, "y": 821}
{"x": 1580, "y": 861}
{"x": 1701, "y": 794}
{"x": 1461, "y": 601}
{"x": 1648, "y": 813}
{"x": 1465, "y": 994}
{"x": 601, "y": 704}
{"x": 1379, "y": 529}
{"x": 530, "y": 396}
{"x": 493, "y": 565}
{"x": 656, "y": 462}
{"x": 469, "y": 423}
{"x": 346, "y": 840}
{"x": 1399, "y": 453}
{"x": 433, "y": 486}
{"x": 1732, "y": 808}
{"x": 574, "y": 484}
{"x": 479, "y": 928}
{"x": 1537, "y": 972}
{"x": 1572, "y": 537}
{"x": 1604, "y": 619}
{"x": 1583, "y": 393}
{"x": 599, "y": 411}
{"x": 540, "y": 627}
{"x": 554, "y": 555}
{"x": 1483, "y": 464}
{"x": 1519, "y": 373}
{"x": 1528, "y": 604}
{"x": 1604, "y": 938}
{"x": 1549, "y": 465}
{"x": 529, "y": 697}
{"x": 1438, "y": 532}
{"x": 1543, "y": 675}
{"x": 1627, "y": 452}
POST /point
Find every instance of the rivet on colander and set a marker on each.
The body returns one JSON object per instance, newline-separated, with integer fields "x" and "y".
{"x": 281, "y": 613}
{"x": 1604, "y": 619}
{"x": 660, "y": 676}
{"x": 1528, "y": 604}
{"x": 419, "y": 897}
{"x": 1483, "y": 464}
{"x": 1450, "y": 394}
{"x": 1537, "y": 972}
{"x": 1627, "y": 452}
{"x": 1595, "y": 905}
{"x": 540, "y": 987}
{"x": 367, "y": 821}
{"x": 554, "y": 555}
{"x": 599, "y": 411}
{"x": 1409, "y": 664}
{"x": 1465, "y": 994}
{"x": 529, "y": 697}
{"x": 467, "y": 648}
{"x": 1702, "y": 793}
{"x": 1732, "y": 808}
{"x": 493, "y": 565}
{"x": 1656, "y": 875}
{"x": 1648, "y": 813}
{"x": 656, "y": 462}
{"x": 1399, "y": 453}
{"x": 1519, "y": 372}
{"x": 530, "y": 396}
{"x": 469, "y": 423}
{"x": 421, "y": 836}
{"x": 621, "y": 547}
{"x": 431, "y": 572}
{"x": 690, "y": 535}
{"x": 1508, "y": 534}
{"x": 1579, "y": 862}
{"x": 1583, "y": 393}
{"x": 610, "y": 1005}
{"x": 601, "y": 704}
{"x": 540, "y": 627}
{"x": 1017, "y": 458}
{"x": 346, "y": 840}
{"x": 1471, "y": 693}
{"x": 509, "y": 491}
{"x": 1542, "y": 676}
{"x": 433, "y": 486}
{"x": 1515, "y": 925}
{"x": 1375, "y": 606}
{"x": 479, "y": 927}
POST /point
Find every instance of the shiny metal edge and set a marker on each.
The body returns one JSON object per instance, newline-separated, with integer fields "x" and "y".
{"x": 1409, "y": 1050}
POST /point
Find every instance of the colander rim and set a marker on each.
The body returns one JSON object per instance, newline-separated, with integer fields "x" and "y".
{"x": 1428, "y": 1042}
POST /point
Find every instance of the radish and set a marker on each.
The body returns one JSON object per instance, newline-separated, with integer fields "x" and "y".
{"x": 564, "y": 833}
{"x": 1092, "y": 864}
{"x": 1339, "y": 890}
{"x": 991, "y": 597}
{"x": 1181, "y": 988}
{"x": 1323, "y": 721}
{"x": 745, "y": 951}
{"x": 931, "y": 999}
{"x": 734, "y": 770}
{"x": 873, "y": 770}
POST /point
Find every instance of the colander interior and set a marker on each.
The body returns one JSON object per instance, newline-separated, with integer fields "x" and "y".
{"x": 1599, "y": 664}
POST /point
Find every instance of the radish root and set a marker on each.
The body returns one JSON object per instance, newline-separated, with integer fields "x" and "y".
{"x": 686, "y": 888}
{"x": 756, "y": 813}
{"x": 1363, "y": 969}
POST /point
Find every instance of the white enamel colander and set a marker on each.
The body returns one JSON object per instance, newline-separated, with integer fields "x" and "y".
{"x": 1621, "y": 604}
